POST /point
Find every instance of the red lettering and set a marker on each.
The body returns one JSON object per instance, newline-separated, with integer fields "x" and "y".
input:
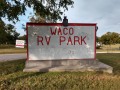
{"x": 83, "y": 40}
{"x": 47, "y": 40}
{"x": 59, "y": 31}
{"x": 77, "y": 39}
{"x": 71, "y": 31}
{"x": 39, "y": 39}
{"x": 69, "y": 41}
{"x": 53, "y": 32}
{"x": 62, "y": 39}
{"x": 64, "y": 31}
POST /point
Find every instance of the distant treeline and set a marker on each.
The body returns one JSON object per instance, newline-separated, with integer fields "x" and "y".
{"x": 8, "y": 34}
{"x": 109, "y": 38}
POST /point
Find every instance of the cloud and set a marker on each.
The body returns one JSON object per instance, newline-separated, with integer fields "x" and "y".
{"x": 106, "y": 13}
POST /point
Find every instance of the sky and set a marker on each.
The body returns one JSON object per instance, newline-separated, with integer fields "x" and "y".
{"x": 106, "y": 13}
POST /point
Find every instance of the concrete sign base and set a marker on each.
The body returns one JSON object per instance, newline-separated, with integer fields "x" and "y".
{"x": 66, "y": 65}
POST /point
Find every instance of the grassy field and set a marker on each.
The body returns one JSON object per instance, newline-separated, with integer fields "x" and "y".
{"x": 12, "y": 50}
{"x": 8, "y": 49}
{"x": 110, "y": 48}
{"x": 12, "y": 77}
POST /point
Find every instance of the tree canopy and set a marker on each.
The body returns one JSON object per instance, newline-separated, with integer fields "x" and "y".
{"x": 110, "y": 38}
{"x": 8, "y": 33}
{"x": 49, "y": 9}
{"x": 11, "y": 10}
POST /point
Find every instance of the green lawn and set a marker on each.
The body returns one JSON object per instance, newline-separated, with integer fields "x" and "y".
{"x": 8, "y": 49}
{"x": 12, "y": 77}
{"x": 13, "y": 50}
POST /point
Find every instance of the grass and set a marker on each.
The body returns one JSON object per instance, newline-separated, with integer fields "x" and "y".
{"x": 111, "y": 59}
{"x": 110, "y": 48}
{"x": 12, "y": 50}
{"x": 13, "y": 78}
{"x": 8, "y": 49}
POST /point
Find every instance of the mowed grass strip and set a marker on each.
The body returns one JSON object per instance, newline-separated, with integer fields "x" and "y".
{"x": 109, "y": 48}
{"x": 13, "y": 50}
{"x": 12, "y": 77}
{"x": 10, "y": 49}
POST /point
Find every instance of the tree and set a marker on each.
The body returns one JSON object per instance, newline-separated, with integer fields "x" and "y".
{"x": 115, "y": 37}
{"x": 3, "y": 34}
{"x": 48, "y": 9}
{"x": 12, "y": 35}
{"x": 38, "y": 19}
{"x": 8, "y": 34}
{"x": 110, "y": 38}
{"x": 22, "y": 37}
{"x": 97, "y": 39}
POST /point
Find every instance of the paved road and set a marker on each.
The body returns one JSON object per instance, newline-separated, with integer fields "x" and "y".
{"x": 9, "y": 57}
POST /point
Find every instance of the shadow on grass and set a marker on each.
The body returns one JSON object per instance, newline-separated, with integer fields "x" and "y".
{"x": 112, "y": 59}
{"x": 9, "y": 67}
{"x": 26, "y": 75}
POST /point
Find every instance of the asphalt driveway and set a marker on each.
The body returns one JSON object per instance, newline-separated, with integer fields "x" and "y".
{"x": 9, "y": 57}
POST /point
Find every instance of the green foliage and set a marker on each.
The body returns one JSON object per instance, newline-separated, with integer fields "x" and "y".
{"x": 12, "y": 77}
{"x": 97, "y": 39}
{"x": 3, "y": 36}
{"x": 12, "y": 35}
{"x": 8, "y": 34}
{"x": 110, "y": 38}
{"x": 49, "y": 9}
{"x": 12, "y": 9}
{"x": 22, "y": 37}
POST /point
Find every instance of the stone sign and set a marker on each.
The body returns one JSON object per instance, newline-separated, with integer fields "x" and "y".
{"x": 54, "y": 47}
{"x": 53, "y": 41}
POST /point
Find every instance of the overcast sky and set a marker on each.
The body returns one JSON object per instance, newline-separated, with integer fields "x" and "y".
{"x": 106, "y": 13}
